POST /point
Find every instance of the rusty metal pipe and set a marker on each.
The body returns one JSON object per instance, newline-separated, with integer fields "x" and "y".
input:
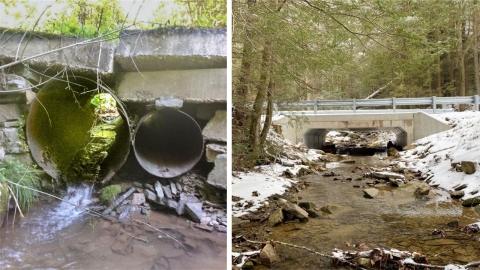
{"x": 168, "y": 143}
{"x": 59, "y": 134}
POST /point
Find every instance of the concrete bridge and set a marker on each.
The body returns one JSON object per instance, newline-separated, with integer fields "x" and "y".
{"x": 407, "y": 126}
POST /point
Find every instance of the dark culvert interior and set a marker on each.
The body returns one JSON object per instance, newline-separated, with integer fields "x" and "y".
{"x": 317, "y": 139}
{"x": 168, "y": 143}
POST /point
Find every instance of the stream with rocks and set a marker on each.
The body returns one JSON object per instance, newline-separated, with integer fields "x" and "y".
{"x": 350, "y": 220}
{"x": 57, "y": 235}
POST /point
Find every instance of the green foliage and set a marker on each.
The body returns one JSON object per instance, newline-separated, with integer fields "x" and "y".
{"x": 110, "y": 193}
{"x": 17, "y": 172}
{"x": 104, "y": 101}
{"x": 199, "y": 13}
{"x": 87, "y": 19}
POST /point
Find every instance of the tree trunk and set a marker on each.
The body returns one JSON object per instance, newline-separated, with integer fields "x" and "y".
{"x": 476, "y": 68}
{"x": 262, "y": 92}
{"x": 438, "y": 77}
{"x": 269, "y": 114}
{"x": 460, "y": 59}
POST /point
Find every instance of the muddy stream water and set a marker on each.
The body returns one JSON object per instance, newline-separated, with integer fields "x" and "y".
{"x": 57, "y": 235}
{"x": 395, "y": 219}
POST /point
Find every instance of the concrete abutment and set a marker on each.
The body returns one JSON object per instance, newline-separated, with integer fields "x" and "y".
{"x": 408, "y": 127}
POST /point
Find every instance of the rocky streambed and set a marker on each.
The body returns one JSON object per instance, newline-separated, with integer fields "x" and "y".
{"x": 153, "y": 223}
{"x": 358, "y": 206}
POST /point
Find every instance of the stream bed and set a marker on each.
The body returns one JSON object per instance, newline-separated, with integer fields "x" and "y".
{"x": 56, "y": 235}
{"x": 395, "y": 219}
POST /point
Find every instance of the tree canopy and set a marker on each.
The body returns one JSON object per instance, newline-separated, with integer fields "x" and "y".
{"x": 87, "y": 18}
{"x": 314, "y": 49}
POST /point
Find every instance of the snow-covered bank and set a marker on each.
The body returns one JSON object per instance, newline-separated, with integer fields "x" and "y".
{"x": 435, "y": 154}
{"x": 253, "y": 188}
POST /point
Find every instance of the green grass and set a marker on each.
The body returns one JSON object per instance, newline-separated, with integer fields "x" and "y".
{"x": 22, "y": 174}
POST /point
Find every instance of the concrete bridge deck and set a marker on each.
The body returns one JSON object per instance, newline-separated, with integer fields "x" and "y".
{"x": 407, "y": 126}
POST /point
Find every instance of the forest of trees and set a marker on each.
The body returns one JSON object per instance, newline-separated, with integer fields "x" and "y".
{"x": 313, "y": 49}
{"x": 87, "y": 18}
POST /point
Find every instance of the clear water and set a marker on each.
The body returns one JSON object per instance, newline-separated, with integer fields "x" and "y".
{"x": 395, "y": 219}
{"x": 59, "y": 235}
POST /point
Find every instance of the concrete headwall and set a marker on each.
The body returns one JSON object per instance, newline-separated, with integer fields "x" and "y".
{"x": 425, "y": 125}
{"x": 141, "y": 67}
{"x": 407, "y": 126}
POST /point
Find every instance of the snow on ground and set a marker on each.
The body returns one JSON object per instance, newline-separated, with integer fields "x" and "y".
{"x": 267, "y": 179}
{"x": 432, "y": 155}
{"x": 439, "y": 151}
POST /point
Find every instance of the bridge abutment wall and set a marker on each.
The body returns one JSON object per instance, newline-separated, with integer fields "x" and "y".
{"x": 408, "y": 127}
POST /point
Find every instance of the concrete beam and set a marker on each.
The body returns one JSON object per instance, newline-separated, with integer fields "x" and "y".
{"x": 196, "y": 86}
{"x": 198, "y": 56}
{"x": 81, "y": 59}
{"x": 171, "y": 49}
{"x": 407, "y": 126}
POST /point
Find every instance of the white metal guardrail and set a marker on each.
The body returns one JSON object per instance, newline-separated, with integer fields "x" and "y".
{"x": 388, "y": 102}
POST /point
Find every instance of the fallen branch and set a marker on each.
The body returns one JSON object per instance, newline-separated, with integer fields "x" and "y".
{"x": 397, "y": 257}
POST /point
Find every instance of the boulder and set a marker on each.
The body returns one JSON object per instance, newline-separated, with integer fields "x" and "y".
{"x": 173, "y": 188}
{"x": 371, "y": 192}
{"x": 469, "y": 167}
{"x": 195, "y": 211}
{"x": 216, "y": 129}
{"x": 422, "y": 190}
{"x": 275, "y": 218}
{"x": 304, "y": 171}
{"x": 213, "y": 150}
{"x": 287, "y": 173}
{"x": 218, "y": 176}
{"x": 365, "y": 262}
{"x": 167, "y": 191}
{"x": 326, "y": 209}
{"x": 159, "y": 190}
{"x": 293, "y": 209}
{"x": 268, "y": 255}
{"x": 184, "y": 199}
{"x": 471, "y": 202}
{"x": 457, "y": 194}
{"x": 138, "y": 198}
{"x": 307, "y": 205}
{"x": 388, "y": 175}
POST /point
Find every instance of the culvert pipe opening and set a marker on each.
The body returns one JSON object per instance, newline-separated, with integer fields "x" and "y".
{"x": 168, "y": 143}
{"x": 76, "y": 134}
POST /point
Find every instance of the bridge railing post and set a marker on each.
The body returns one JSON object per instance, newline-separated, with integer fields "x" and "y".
{"x": 315, "y": 107}
{"x": 394, "y": 104}
{"x": 354, "y": 106}
{"x": 434, "y": 104}
{"x": 476, "y": 102}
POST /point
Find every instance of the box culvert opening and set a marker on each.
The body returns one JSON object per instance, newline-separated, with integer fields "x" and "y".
{"x": 76, "y": 135}
{"x": 168, "y": 143}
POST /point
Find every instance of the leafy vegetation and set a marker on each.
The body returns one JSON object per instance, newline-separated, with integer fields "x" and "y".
{"x": 110, "y": 193}
{"x": 21, "y": 174}
{"x": 89, "y": 19}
